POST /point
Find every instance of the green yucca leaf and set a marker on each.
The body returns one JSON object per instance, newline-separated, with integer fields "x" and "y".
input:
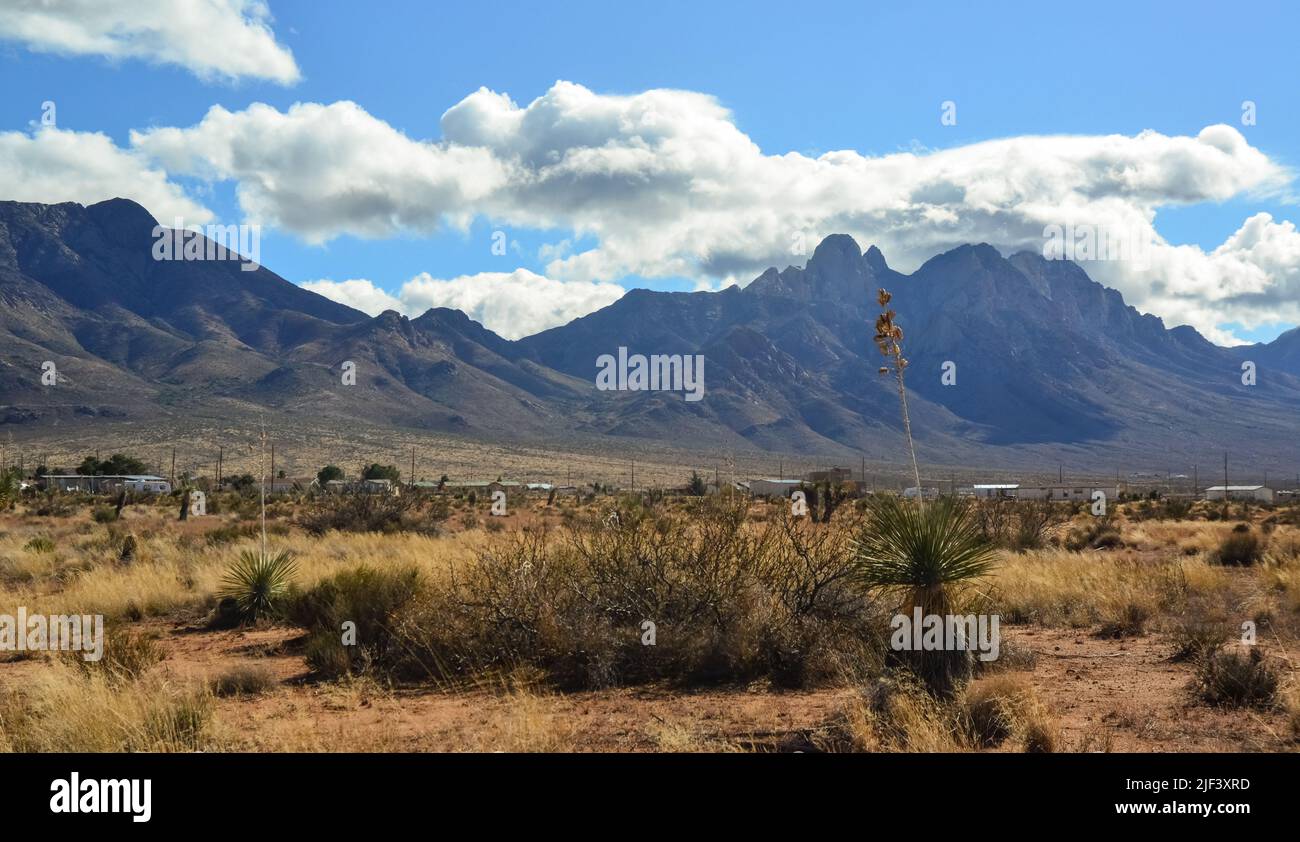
{"x": 906, "y": 546}
{"x": 257, "y": 582}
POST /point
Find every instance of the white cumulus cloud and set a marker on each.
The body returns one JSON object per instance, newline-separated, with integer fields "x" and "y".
{"x": 511, "y": 304}
{"x": 664, "y": 184}
{"x": 212, "y": 38}
{"x": 54, "y": 165}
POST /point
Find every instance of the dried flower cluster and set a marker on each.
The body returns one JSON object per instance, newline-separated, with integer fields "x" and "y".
{"x": 889, "y": 339}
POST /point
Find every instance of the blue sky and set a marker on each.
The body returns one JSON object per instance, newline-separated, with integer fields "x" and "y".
{"x": 806, "y": 78}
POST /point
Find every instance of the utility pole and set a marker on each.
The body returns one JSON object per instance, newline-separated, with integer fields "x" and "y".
{"x": 633, "y": 475}
{"x": 1196, "y": 482}
{"x": 780, "y": 468}
{"x": 1225, "y": 483}
{"x": 412, "y": 466}
{"x": 221, "y": 454}
{"x": 173, "y": 476}
{"x": 1060, "y": 474}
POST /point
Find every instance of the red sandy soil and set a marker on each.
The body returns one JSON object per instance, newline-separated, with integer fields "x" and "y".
{"x": 1118, "y": 695}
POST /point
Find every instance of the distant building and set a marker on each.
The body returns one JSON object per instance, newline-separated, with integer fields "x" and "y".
{"x": 1258, "y": 493}
{"x": 105, "y": 484}
{"x": 1064, "y": 493}
{"x": 924, "y": 493}
{"x": 774, "y": 487}
{"x": 1004, "y": 490}
{"x": 831, "y": 475}
{"x": 365, "y": 486}
{"x": 283, "y": 485}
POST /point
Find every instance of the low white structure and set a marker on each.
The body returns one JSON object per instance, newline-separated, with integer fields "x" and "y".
{"x": 1258, "y": 493}
{"x": 1060, "y": 493}
{"x": 774, "y": 487}
{"x": 147, "y": 485}
{"x": 997, "y": 490}
{"x": 924, "y": 493}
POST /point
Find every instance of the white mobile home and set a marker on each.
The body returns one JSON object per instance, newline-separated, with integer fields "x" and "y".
{"x": 774, "y": 487}
{"x": 1258, "y": 493}
{"x": 1064, "y": 493}
{"x": 1006, "y": 490}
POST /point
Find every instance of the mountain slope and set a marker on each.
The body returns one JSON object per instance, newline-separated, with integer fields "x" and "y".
{"x": 1047, "y": 362}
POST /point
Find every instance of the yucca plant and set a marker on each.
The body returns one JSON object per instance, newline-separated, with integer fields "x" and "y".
{"x": 257, "y": 583}
{"x": 917, "y": 554}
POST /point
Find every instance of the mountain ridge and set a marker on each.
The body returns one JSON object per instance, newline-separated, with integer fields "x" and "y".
{"x": 1045, "y": 358}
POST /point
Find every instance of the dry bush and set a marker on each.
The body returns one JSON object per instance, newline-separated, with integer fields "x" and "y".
{"x": 1240, "y": 548}
{"x": 729, "y": 602}
{"x": 1101, "y": 533}
{"x": 243, "y": 680}
{"x": 128, "y": 655}
{"x": 898, "y": 715}
{"x": 1019, "y": 524}
{"x": 368, "y": 597}
{"x": 1006, "y": 706}
{"x": 1230, "y": 678}
{"x": 356, "y": 511}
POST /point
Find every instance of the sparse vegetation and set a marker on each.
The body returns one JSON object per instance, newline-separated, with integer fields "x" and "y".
{"x": 556, "y": 601}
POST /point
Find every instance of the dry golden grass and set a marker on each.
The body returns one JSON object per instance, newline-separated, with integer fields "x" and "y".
{"x": 83, "y": 576}
{"x": 1165, "y": 572}
{"x": 63, "y": 710}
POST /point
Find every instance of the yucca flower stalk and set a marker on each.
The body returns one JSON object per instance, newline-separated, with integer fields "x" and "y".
{"x": 889, "y": 339}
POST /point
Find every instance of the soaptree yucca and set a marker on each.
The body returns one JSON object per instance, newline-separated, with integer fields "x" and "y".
{"x": 257, "y": 582}
{"x": 918, "y": 554}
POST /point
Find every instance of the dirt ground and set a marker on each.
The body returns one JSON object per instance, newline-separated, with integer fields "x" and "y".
{"x": 1122, "y": 695}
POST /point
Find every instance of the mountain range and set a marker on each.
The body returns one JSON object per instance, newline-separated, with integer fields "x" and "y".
{"x": 1041, "y": 360}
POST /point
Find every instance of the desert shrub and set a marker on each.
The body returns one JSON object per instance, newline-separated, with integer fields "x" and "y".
{"x": 128, "y": 551}
{"x": 39, "y": 544}
{"x": 243, "y": 680}
{"x": 996, "y": 709}
{"x": 257, "y": 583}
{"x": 356, "y": 511}
{"x": 1197, "y": 638}
{"x": 1241, "y": 547}
{"x": 990, "y": 709}
{"x": 898, "y": 714}
{"x": 368, "y": 597}
{"x": 127, "y": 655}
{"x": 1232, "y": 679}
{"x": 1017, "y": 524}
{"x": 1097, "y": 534}
{"x": 1125, "y": 618}
{"x": 723, "y": 601}
{"x": 104, "y": 514}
